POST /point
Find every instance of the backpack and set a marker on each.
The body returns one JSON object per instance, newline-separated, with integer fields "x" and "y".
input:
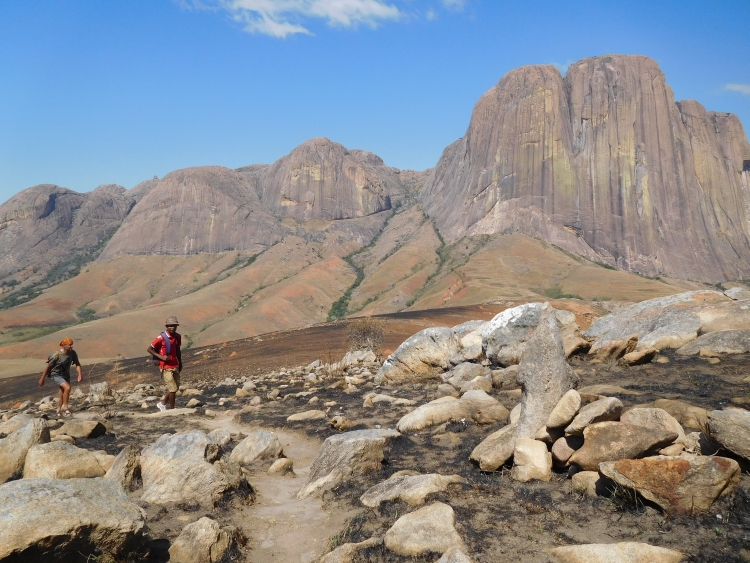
{"x": 167, "y": 343}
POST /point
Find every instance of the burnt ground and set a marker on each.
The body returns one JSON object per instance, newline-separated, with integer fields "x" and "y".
{"x": 498, "y": 518}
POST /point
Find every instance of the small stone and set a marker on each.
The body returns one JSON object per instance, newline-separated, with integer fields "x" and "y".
{"x": 282, "y": 466}
{"x": 428, "y": 529}
{"x": 531, "y": 460}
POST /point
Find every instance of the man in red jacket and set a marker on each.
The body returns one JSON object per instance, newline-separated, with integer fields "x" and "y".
{"x": 168, "y": 351}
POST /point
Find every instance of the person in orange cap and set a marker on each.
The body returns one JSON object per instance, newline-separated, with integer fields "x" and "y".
{"x": 58, "y": 370}
{"x": 166, "y": 347}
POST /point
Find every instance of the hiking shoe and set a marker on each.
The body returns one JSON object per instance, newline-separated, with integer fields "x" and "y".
{"x": 161, "y": 406}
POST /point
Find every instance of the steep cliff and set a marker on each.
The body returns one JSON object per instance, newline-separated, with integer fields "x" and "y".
{"x": 206, "y": 209}
{"x": 323, "y": 180}
{"x": 46, "y": 225}
{"x": 605, "y": 164}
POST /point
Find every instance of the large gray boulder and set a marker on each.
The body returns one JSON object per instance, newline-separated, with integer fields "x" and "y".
{"x": 625, "y": 552}
{"x": 14, "y": 448}
{"x": 475, "y": 405}
{"x": 680, "y": 485}
{"x": 60, "y": 460}
{"x": 126, "y": 468}
{"x": 663, "y": 322}
{"x": 544, "y": 375}
{"x": 203, "y": 541}
{"x": 731, "y": 429}
{"x": 259, "y": 444}
{"x": 14, "y": 423}
{"x": 430, "y": 528}
{"x": 346, "y": 454}
{"x": 612, "y": 441}
{"x": 186, "y": 467}
{"x": 504, "y": 337}
{"x": 53, "y": 520}
{"x": 722, "y": 342}
{"x": 412, "y": 489}
{"x": 420, "y": 357}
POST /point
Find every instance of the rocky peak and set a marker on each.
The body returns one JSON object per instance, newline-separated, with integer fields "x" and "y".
{"x": 605, "y": 164}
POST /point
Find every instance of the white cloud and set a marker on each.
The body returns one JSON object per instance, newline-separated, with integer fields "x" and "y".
{"x": 741, "y": 88}
{"x": 281, "y": 18}
{"x": 431, "y": 14}
{"x": 454, "y": 4}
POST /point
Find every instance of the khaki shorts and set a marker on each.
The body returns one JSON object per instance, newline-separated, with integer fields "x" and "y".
{"x": 171, "y": 378}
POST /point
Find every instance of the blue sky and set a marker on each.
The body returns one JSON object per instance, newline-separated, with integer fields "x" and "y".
{"x": 96, "y": 92}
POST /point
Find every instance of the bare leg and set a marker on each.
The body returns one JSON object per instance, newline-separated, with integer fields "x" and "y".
{"x": 171, "y": 397}
{"x": 65, "y": 395}
{"x": 60, "y": 401}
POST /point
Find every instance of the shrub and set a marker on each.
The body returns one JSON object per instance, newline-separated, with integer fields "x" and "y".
{"x": 365, "y": 334}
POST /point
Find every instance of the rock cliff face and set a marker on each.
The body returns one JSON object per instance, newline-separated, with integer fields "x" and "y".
{"x": 323, "y": 180}
{"x": 603, "y": 163}
{"x": 46, "y": 225}
{"x": 206, "y": 209}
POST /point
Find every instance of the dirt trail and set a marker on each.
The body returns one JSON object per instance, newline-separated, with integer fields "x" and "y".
{"x": 282, "y": 528}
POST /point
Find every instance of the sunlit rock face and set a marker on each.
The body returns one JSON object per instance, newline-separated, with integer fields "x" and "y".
{"x": 323, "y": 180}
{"x": 193, "y": 210}
{"x": 603, "y": 163}
{"x": 44, "y": 225}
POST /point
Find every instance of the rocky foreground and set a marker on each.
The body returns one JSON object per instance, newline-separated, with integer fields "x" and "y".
{"x": 524, "y": 438}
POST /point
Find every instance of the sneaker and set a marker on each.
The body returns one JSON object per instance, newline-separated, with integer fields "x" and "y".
{"x": 161, "y": 406}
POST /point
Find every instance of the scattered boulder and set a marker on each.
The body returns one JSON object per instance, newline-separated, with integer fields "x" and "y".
{"x": 60, "y": 460}
{"x": 307, "y": 415}
{"x": 282, "y": 466}
{"x": 588, "y": 482}
{"x": 454, "y": 555}
{"x": 722, "y": 342}
{"x": 447, "y": 390}
{"x": 531, "y": 460}
{"x": 88, "y": 516}
{"x": 221, "y": 436}
{"x": 14, "y": 448}
{"x": 565, "y": 410}
{"x": 412, "y": 489}
{"x": 464, "y": 372}
{"x": 625, "y": 552}
{"x": 126, "y": 469}
{"x": 602, "y": 410}
{"x": 565, "y": 447}
{"x": 687, "y": 415}
{"x": 81, "y": 429}
{"x": 14, "y": 423}
{"x": 612, "y": 441}
{"x": 259, "y": 444}
{"x": 185, "y": 467}
{"x": 680, "y": 485}
{"x": 474, "y": 405}
{"x": 504, "y": 337}
{"x": 477, "y": 384}
{"x": 202, "y": 541}
{"x": 654, "y": 418}
{"x": 496, "y": 449}
{"x": 340, "y": 423}
{"x": 505, "y": 378}
{"x": 543, "y": 373}
{"x": 731, "y": 429}
{"x": 345, "y": 553}
{"x": 100, "y": 392}
{"x": 420, "y": 357}
{"x": 342, "y": 455}
{"x": 428, "y": 529}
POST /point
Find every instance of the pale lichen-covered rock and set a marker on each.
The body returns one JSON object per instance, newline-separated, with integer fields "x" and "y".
{"x": 185, "y": 467}
{"x": 612, "y": 441}
{"x": 126, "y": 469}
{"x": 259, "y": 444}
{"x": 307, "y": 415}
{"x": 544, "y": 375}
{"x": 680, "y": 485}
{"x": 496, "y": 449}
{"x": 474, "y": 405}
{"x": 412, "y": 489}
{"x": 625, "y": 552}
{"x": 420, "y": 357}
{"x": 14, "y": 448}
{"x": 464, "y": 372}
{"x": 689, "y": 416}
{"x": 602, "y": 410}
{"x": 654, "y": 418}
{"x": 81, "y": 429}
{"x": 430, "y": 528}
{"x": 203, "y": 541}
{"x": 722, "y": 342}
{"x": 731, "y": 429}
{"x": 504, "y": 337}
{"x": 88, "y": 516}
{"x": 12, "y": 424}
{"x": 60, "y": 460}
{"x": 531, "y": 460}
{"x": 343, "y": 455}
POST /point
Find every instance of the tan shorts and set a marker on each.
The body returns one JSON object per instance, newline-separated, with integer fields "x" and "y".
{"x": 171, "y": 378}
